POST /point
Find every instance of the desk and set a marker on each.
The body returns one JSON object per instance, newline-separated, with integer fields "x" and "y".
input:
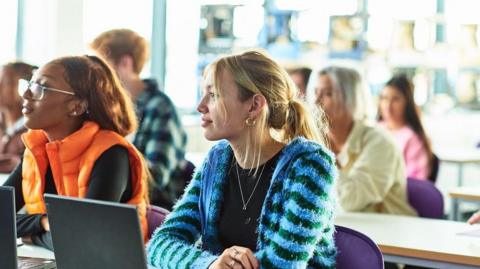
{"x": 3, "y": 178}
{"x": 468, "y": 194}
{"x": 459, "y": 157}
{"x": 28, "y": 250}
{"x": 417, "y": 241}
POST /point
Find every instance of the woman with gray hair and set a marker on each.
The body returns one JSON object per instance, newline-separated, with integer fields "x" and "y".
{"x": 371, "y": 169}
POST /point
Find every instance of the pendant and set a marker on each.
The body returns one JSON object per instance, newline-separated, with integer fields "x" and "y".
{"x": 244, "y": 208}
{"x": 247, "y": 220}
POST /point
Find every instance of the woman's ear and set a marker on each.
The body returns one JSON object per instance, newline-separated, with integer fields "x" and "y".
{"x": 78, "y": 107}
{"x": 257, "y": 105}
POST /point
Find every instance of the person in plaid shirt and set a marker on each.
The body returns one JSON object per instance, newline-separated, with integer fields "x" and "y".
{"x": 160, "y": 135}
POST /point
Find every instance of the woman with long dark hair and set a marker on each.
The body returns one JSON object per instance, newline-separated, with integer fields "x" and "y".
{"x": 398, "y": 113}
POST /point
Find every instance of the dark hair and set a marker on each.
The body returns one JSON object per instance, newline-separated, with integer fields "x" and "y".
{"x": 303, "y": 71}
{"x": 21, "y": 69}
{"x": 12, "y": 72}
{"x": 108, "y": 102}
{"x": 94, "y": 81}
{"x": 116, "y": 43}
{"x": 403, "y": 85}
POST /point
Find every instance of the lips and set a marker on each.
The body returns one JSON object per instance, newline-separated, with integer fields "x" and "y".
{"x": 26, "y": 110}
{"x": 205, "y": 122}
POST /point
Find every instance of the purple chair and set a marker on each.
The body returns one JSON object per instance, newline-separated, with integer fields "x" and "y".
{"x": 356, "y": 250}
{"x": 155, "y": 217}
{"x": 425, "y": 198}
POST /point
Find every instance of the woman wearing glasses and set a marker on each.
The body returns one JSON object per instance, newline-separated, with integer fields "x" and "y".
{"x": 11, "y": 120}
{"x": 262, "y": 198}
{"x": 77, "y": 115}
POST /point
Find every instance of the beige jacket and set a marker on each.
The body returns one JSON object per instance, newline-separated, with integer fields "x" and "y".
{"x": 372, "y": 178}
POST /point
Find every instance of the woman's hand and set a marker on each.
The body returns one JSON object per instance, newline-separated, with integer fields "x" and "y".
{"x": 44, "y": 223}
{"x": 475, "y": 218}
{"x": 236, "y": 258}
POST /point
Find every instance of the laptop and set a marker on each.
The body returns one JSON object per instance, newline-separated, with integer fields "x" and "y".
{"x": 8, "y": 235}
{"x": 92, "y": 234}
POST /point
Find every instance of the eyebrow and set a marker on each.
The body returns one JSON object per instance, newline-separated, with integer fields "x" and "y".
{"x": 43, "y": 76}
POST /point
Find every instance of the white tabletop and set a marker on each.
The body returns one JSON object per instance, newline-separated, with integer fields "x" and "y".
{"x": 27, "y": 250}
{"x": 39, "y": 252}
{"x": 466, "y": 193}
{"x": 417, "y": 238}
{"x": 459, "y": 155}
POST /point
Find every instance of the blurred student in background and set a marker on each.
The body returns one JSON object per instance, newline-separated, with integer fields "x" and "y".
{"x": 160, "y": 135}
{"x": 371, "y": 176}
{"x": 263, "y": 197}
{"x": 77, "y": 114}
{"x": 475, "y": 218}
{"x": 11, "y": 120}
{"x": 398, "y": 113}
{"x": 300, "y": 77}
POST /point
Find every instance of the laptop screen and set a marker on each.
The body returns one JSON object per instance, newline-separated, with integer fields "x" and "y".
{"x": 8, "y": 235}
{"x": 95, "y": 234}
{"x": 8, "y": 230}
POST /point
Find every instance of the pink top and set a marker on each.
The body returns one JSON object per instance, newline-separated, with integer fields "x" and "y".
{"x": 414, "y": 152}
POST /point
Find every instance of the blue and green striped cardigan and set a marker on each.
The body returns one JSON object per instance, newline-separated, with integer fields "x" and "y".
{"x": 296, "y": 224}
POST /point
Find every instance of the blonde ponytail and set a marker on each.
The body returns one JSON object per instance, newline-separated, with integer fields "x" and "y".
{"x": 300, "y": 123}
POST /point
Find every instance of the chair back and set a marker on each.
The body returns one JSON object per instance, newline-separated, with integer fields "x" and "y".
{"x": 435, "y": 167}
{"x": 155, "y": 217}
{"x": 356, "y": 250}
{"x": 425, "y": 198}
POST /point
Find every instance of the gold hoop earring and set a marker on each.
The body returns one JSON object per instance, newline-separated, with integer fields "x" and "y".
{"x": 250, "y": 122}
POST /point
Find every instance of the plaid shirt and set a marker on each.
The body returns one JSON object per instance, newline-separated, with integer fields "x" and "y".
{"x": 162, "y": 139}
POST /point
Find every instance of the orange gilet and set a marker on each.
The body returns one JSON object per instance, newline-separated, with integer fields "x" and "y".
{"x": 71, "y": 161}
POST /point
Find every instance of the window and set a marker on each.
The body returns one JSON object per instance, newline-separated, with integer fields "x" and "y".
{"x": 8, "y": 26}
{"x": 100, "y": 16}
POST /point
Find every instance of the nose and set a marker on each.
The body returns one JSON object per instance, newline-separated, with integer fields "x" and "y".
{"x": 202, "y": 107}
{"x": 27, "y": 94}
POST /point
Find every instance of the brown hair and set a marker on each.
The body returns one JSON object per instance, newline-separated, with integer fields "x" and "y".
{"x": 108, "y": 102}
{"x": 114, "y": 44}
{"x": 12, "y": 72}
{"x": 95, "y": 82}
{"x": 256, "y": 73}
{"x": 21, "y": 69}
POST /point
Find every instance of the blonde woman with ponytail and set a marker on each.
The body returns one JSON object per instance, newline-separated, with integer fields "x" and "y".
{"x": 263, "y": 197}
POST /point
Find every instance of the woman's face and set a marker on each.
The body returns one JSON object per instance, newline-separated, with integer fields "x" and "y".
{"x": 53, "y": 111}
{"x": 223, "y": 118}
{"x": 9, "y": 97}
{"x": 392, "y": 105}
{"x": 329, "y": 98}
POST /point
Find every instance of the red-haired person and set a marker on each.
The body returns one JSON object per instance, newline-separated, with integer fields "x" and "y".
{"x": 160, "y": 136}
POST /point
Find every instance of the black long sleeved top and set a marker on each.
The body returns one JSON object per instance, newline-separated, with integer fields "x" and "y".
{"x": 110, "y": 180}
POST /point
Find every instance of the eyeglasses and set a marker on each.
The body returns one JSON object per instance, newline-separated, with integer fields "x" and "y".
{"x": 37, "y": 90}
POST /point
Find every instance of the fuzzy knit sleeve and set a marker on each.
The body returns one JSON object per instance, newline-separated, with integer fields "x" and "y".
{"x": 305, "y": 232}
{"x": 173, "y": 244}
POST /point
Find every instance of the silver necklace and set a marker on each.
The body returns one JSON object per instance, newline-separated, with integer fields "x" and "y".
{"x": 245, "y": 204}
